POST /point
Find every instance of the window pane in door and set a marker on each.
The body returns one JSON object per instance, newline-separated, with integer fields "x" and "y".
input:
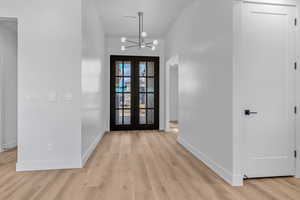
{"x": 150, "y": 100}
{"x": 127, "y": 101}
{"x": 150, "y": 85}
{"x": 119, "y": 117}
{"x": 119, "y": 100}
{"x": 143, "y": 84}
{"x": 142, "y": 116}
{"x": 143, "y": 68}
{"x": 150, "y": 116}
{"x": 127, "y": 84}
{"x": 127, "y": 117}
{"x": 119, "y": 85}
{"x": 143, "y": 100}
{"x": 119, "y": 68}
{"x": 127, "y": 68}
{"x": 150, "y": 67}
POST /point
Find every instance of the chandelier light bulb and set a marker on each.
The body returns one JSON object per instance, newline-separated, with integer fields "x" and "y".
{"x": 123, "y": 39}
{"x": 153, "y": 48}
{"x": 144, "y": 34}
{"x": 123, "y": 48}
{"x": 143, "y": 45}
{"x": 155, "y": 42}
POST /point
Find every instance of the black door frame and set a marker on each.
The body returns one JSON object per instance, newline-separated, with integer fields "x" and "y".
{"x": 134, "y": 92}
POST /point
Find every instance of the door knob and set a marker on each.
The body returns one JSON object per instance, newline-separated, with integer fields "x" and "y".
{"x": 248, "y": 112}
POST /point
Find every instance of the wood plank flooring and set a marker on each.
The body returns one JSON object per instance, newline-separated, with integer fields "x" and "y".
{"x": 136, "y": 166}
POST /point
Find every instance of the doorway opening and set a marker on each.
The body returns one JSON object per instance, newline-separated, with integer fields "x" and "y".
{"x": 172, "y": 95}
{"x": 174, "y": 99}
{"x": 8, "y": 88}
{"x": 134, "y": 94}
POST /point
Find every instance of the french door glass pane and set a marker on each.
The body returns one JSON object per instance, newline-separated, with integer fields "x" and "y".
{"x": 119, "y": 100}
{"x": 119, "y": 117}
{"x": 119, "y": 85}
{"x": 127, "y": 84}
{"x": 150, "y": 116}
{"x": 143, "y": 68}
{"x": 119, "y": 68}
{"x": 150, "y": 85}
{"x": 143, "y": 84}
{"x": 127, "y": 68}
{"x": 143, "y": 100}
{"x": 127, "y": 101}
{"x": 150, "y": 66}
{"x": 127, "y": 117}
{"x": 150, "y": 100}
{"x": 142, "y": 116}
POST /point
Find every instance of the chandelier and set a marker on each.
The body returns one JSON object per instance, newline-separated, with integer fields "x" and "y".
{"x": 141, "y": 43}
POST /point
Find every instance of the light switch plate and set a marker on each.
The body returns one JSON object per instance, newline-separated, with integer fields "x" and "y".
{"x": 68, "y": 97}
{"x": 52, "y": 97}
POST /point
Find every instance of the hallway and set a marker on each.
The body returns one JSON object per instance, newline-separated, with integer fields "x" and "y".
{"x": 136, "y": 166}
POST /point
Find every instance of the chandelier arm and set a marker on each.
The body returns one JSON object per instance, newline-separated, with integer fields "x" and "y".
{"x": 131, "y": 46}
{"x": 148, "y": 43}
{"x": 133, "y": 42}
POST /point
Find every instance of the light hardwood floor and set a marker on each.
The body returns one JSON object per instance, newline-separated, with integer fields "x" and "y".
{"x": 136, "y": 166}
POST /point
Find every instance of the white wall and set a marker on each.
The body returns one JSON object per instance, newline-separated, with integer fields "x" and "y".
{"x": 174, "y": 93}
{"x": 113, "y": 46}
{"x": 49, "y": 73}
{"x": 93, "y": 75}
{"x": 202, "y": 38}
{"x": 8, "y": 84}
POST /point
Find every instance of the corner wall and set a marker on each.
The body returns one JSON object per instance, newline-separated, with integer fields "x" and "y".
{"x": 94, "y": 118}
{"x": 49, "y": 74}
{"x": 202, "y": 37}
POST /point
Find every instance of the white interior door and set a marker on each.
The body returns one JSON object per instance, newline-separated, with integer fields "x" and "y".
{"x": 267, "y": 86}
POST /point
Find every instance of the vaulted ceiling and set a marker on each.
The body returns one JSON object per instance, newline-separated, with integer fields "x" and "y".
{"x": 158, "y": 15}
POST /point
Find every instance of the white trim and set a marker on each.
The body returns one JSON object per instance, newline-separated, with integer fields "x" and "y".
{"x": 232, "y": 179}
{"x": 274, "y": 2}
{"x": 238, "y": 151}
{"x": 91, "y": 150}
{"x": 1, "y": 103}
{"x": 10, "y": 145}
{"x": 47, "y": 165}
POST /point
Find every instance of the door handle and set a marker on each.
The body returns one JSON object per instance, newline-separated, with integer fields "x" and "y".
{"x": 248, "y": 112}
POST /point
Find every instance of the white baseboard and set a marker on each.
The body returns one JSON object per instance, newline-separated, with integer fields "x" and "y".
{"x": 47, "y": 165}
{"x": 91, "y": 149}
{"x": 10, "y": 145}
{"x": 234, "y": 180}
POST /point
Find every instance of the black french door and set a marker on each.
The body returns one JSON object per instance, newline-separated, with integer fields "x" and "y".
{"x": 134, "y": 96}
